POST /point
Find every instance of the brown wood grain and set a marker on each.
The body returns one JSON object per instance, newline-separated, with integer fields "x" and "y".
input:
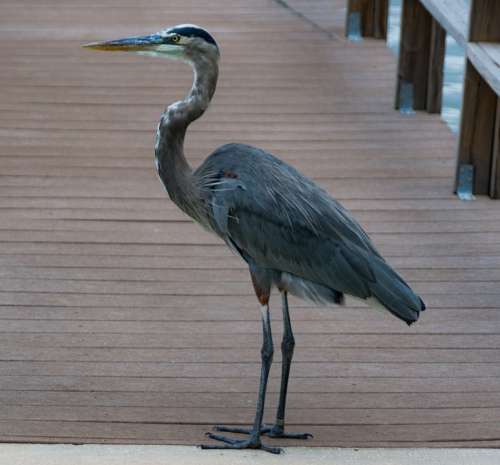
{"x": 484, "y": 21}
{"x": 436, "y": 68}
{"x": 478, "y": 126}
{"x": 414, "y": 53}
{"x": 121, "y": 321}
{"x": 374, "y": 16}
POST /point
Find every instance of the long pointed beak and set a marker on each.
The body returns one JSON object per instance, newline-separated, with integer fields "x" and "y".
{"x": 129, "y": 44}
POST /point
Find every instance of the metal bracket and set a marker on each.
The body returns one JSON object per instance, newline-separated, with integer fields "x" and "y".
{"x": 465, "y": 182}
{"x": 406, "y": 98}
{"x": 354, "y": 27}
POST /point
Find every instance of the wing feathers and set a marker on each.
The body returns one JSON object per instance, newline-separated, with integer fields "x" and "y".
{"x": 284, "y": 221}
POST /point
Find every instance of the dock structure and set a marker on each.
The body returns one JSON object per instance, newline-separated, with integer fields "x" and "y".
{"x": 121, "y": 321}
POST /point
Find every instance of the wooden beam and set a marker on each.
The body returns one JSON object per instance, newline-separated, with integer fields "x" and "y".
{"x": 477, "y": 128}
{"x": 485, "y": 21}
{"x": 413, "y": 68}
{"x": 495, "y": 164}
{"x": 373, "y": 15}
{"x": 436, "y": 68}
{"x": 485, "y": 57}
{"x": 453, "y": 15}
{"x": 380, "y": 19}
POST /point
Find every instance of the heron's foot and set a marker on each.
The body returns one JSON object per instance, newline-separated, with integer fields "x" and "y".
{"x": 272, "y": 431}
{"x": 229, "y": 443}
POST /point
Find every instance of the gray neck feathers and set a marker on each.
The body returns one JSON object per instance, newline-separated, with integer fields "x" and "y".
{"x": 173, "y": 168}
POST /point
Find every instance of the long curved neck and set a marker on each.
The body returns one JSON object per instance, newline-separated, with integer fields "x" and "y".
{"x": 173, "y": 168}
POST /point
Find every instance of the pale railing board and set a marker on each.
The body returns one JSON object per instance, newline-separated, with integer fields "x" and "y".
{"x": 453, "y": 15}
{"x": 485, "y": 57}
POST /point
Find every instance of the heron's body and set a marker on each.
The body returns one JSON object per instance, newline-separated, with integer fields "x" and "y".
{"x": 279, "y": 220}
{"x": 292, "y": 233}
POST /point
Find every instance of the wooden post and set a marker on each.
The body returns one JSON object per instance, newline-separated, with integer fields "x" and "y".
{"x": 484, "y": 23}
{"x": 414, "y": 52}
{"x": 380, "y": 19}
{"x": 495, "y": 164}
{"x": 436, "y": 68}
{"x": 373, "y": 14}
{"x": 480, "y": 127}
{"x": 479, "y": 110}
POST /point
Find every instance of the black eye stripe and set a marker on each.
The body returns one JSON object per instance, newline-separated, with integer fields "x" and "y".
{"x": 193, "y": 32}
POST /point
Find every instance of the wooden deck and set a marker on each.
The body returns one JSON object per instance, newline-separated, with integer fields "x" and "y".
{"x": 123, "y": 322}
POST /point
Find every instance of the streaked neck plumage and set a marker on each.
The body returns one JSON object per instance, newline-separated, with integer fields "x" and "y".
{"x": 173, "y": 168}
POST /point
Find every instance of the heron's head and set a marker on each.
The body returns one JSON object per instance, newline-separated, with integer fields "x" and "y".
{"x": 184, "y": 42}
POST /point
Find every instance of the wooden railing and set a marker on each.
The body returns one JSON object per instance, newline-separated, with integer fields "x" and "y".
{"x": 475, "y": 25}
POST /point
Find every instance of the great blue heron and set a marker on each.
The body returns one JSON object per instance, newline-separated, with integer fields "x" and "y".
{"x": 293, "y": 235}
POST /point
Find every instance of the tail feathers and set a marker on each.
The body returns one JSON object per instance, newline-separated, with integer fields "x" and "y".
{"x": 392, "y": 292}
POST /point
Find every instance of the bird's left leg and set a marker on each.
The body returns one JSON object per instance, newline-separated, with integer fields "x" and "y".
{"x": 254, "y": 442}
{"x": 287, "y": 345}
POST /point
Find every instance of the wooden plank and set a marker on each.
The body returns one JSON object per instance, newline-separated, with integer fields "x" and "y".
{"x": 484, "y": 21}
{"x": 115, "y": 310}
{"x": 315, "y": 386}
{"x": 415, "y": 44}
{"x": 166, "y": 433}
{"x": 453, "y": 15}
{"x": 249, "y": 370}
{"x": 436, "y": 68}
{"x": 202, "y": 288}
{"x": 477, "y": 128}
{"x": 348, "y": 355}
{"x": 234, "y": 400}
{"x": 241, "y": 415}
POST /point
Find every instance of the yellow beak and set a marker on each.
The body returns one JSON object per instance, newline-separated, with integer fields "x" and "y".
{"x": 129, "y": 44}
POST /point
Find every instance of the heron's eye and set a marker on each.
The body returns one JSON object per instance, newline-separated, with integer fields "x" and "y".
{"x": 175, "y": 38}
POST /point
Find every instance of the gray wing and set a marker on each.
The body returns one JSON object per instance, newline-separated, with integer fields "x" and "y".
{"x": 282, "y": 220}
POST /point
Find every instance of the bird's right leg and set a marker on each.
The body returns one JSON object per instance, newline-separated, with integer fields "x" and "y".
{"x": 263, "y": 290}
{"x": 287, "y": 345}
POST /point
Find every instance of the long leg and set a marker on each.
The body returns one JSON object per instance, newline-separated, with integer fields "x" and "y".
{"x": 287, "y": 346}
{"x": 267, "y": 351}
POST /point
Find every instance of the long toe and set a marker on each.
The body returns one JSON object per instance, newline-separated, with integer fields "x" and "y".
{"x": 286, "y": 435}
{"x": 230, "y": 443}
{"x": 271, "y": 431}
{"x": 225, "y": 439}
{"x": 275, "y": 431}
{"x": 230, "y": 429}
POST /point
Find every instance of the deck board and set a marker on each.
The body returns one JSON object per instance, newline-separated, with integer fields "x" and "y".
{"x": 118, "y": 314}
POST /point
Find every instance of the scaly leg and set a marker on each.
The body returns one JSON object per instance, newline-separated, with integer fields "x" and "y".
{"x": 287, "y": 345}
{"x": 254, "y": 442}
